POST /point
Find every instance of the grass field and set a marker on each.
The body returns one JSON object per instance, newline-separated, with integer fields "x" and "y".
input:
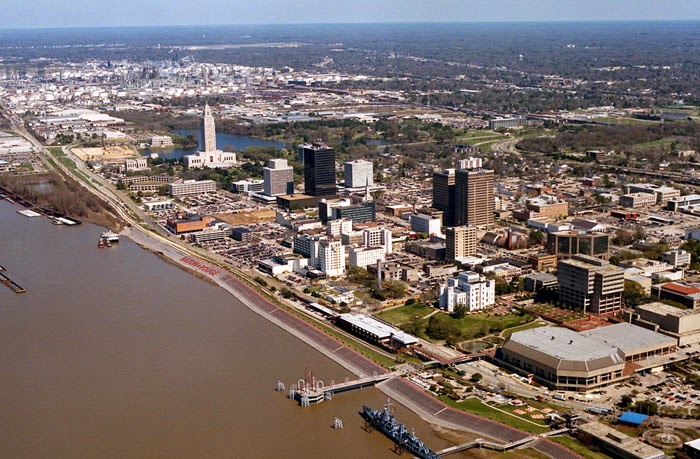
{"x": 474, "y": 406}
{"x": 578, "y": 447}
{"x": 404, "y": 314}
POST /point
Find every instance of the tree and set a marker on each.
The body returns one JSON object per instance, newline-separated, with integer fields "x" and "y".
{"x": 633, "y": 294}
{"x": 440, "y": 329}
{"x": 286, "y": 293}
{"x": 625, "y": 401}
{"x": 460, "y": 311}
{"x": 536, "y": 237}
{"x": 476, "y": 377}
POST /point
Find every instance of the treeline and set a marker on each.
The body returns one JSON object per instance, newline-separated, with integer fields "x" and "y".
{"x": 60, "y": 194}
{"x": 618, "y": 138}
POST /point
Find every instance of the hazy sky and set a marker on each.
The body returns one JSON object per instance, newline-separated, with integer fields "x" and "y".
{"x": 84, "y": 13}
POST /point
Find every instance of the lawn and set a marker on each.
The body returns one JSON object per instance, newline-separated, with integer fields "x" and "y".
{"x": 474, "y": 406}
{"x": 533, "y": 324}
{"x": 403, "y": 314}
{"x": 578, "y": 447}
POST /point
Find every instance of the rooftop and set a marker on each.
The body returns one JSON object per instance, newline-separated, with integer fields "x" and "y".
{"x": 667, "y": 309}
{"x": 565, "y": 344}
{"x": 628, "y": 337}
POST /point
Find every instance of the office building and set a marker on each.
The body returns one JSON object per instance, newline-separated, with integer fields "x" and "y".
{"x": 507, "y": 123}
{"x": 428, "y": 224}
{"x": 444, "y": 195}
{"x": 278, "y": 178}
{"x": 319, "y": 170}
{"x": 191, "y": 187}
{"x": 637, "y": 200}
{"x": 662, "y": 193}
{"x": 336, "y": 228}
{"x": 565, "y": 244}
{"x": 682, "y": 324}
{"x": 470, "y": 289}
{"x": 676, "y": 258}
{"x": 686, "y": 294}
{"x": 474, "y": 204}
{"x": 590, "y": 285}
{"x": 378, "y": 237}
{"x": 247, "y": 186}
{"x": 181, "y": 223}
{"x": 359, "y": 174}
{"x": 460, "y": 242}
{"x": 364, "y": 256}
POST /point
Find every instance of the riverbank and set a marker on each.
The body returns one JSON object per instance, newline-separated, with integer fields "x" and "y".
{"x": 427, "y": 407}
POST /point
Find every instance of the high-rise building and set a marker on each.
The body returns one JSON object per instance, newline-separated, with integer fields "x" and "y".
{"x": 474, "y": 203}
{"x": 319, "y": 170}
{"x": 331, "y": 257}
{"x": 209, "y": 156}
{"x": 208, "y": 130}
{"x": 278, "y": 177}
{"x": 444, "y": 195}
{"x": 358, "y": 174}
{"x": 460, "y": 242}
{"x": 590, "y": 284}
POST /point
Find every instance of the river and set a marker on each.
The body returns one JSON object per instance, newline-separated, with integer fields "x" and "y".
{"x": 238, "y": 142}
{"x": 115, "y": 353}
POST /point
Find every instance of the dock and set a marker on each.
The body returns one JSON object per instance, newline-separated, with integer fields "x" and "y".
{"x": 10, "y": 283}
{"x": 310, "y": 390}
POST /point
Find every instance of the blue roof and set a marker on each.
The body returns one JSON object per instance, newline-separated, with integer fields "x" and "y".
{"x": 631, "y": 417}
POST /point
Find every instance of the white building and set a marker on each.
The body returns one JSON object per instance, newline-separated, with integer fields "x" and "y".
{"x": 470, "y": 289}
{"x": 378, "y": 237}
{"x": 330, "y": 257}
{"x": 335, "y": 228}
{"x": 138, "y": 164}
{"x": 676, "y": 258}
{"x": 359, "y": 174}
{"x": 278, "y": 177}
{"x": 662, "y": 192}
{"x": 209, "y": 156}
{"x": 191, "y": 187}
{"x": 428, "y": 224}
{"x": 692, "y": 234}
{"x": 363, "y": 257}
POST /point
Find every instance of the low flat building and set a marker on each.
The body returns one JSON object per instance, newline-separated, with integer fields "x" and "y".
{"x": 681, "y": 324}
{"x": 565, "y": 244}
{"x": 686, "y": 294}
{"x": 676, "y": 258}
{"x": 191, "y": 187}
{"x": 563, "y": 359}
{"x": 375, "y": 331}
{"x": 661, "y": 193}
{"x": 540, "y": 281}
{"x": 618, "y": 444}
{"x": 637, "y": 200}
{"x": 182, "y": 223}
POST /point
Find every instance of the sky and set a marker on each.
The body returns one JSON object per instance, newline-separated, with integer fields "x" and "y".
{"x": 95, "y": 13}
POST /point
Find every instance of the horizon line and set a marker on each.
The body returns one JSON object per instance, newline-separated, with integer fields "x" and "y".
{"x": 280, "y": 24}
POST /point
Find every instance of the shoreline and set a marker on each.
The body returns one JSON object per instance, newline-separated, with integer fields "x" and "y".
{"x": 430, "y": 409}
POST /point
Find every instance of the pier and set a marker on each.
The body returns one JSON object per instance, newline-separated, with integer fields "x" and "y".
{"x": 310, "y": 390}
{"x": 10, "y": 283}
{"x": 481, "y": 443}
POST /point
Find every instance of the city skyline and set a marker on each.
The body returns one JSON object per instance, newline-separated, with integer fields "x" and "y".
{"x": 62, "y": 13}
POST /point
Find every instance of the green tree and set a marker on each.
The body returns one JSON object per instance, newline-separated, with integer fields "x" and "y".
{"x": 633, "y": 294}
{"x": 460, "y": 311}
{"x": 536, "y": 237}
{"x": 476, "y": 377}
{"x": 625, "y": 401}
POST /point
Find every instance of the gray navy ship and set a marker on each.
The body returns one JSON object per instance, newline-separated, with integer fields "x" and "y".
{"x": 386, "y": 423}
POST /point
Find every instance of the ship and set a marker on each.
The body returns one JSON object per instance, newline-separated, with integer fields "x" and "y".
{"x": 386, "y": 423}
{"x": 110, "y": 236}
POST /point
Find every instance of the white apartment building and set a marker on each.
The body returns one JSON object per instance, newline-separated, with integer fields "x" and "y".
{"x": 470, "y": 289}
{"x": 331, "y": 257}
{"x": 676, "y": 258}
{"x": 336, "y": 228}
{"x": 363, "y": 257}
{"x": 378, "y": 237}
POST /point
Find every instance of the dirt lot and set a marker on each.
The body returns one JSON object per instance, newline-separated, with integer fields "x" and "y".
{"x": 248, "y": 217}
{"x": 107, "y": 154}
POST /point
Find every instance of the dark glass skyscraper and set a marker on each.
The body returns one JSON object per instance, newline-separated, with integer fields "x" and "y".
{"x": 319, "y": 170}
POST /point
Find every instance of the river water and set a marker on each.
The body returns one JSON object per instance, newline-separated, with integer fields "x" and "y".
{"x": 238, "y": 142}
{"x": 115, "y": 353}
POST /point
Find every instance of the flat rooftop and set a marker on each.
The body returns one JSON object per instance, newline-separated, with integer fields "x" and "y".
{"x": 628, "y": 337}
{"x": 565, "y": 344}
{"x": 667, "y": 309}
{"x": 378, "y": 329}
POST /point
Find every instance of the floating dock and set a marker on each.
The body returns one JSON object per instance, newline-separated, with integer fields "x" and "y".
{"x": 11, "y": 284}
{"x": 29, "y": 213}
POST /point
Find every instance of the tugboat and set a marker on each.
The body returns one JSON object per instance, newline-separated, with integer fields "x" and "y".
{"x": 100, "y": 244}
{"x": 386, "y": 423}
{"x": 107, "y": 243}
